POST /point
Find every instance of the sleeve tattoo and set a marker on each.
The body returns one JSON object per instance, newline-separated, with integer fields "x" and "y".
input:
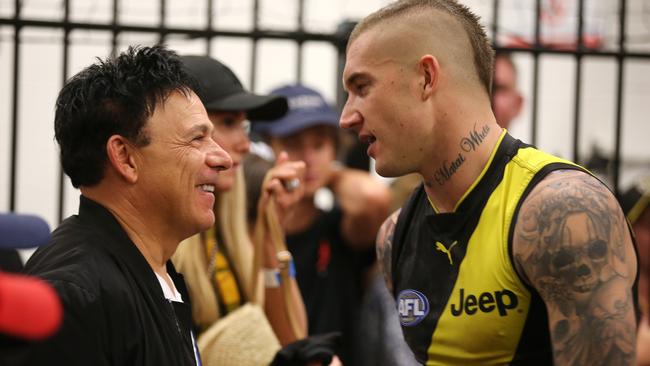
{"x": 384, "y": 247}
{"x": 572, "y": 244}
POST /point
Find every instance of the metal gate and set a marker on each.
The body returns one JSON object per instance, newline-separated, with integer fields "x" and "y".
{"x": 162, "y": 31}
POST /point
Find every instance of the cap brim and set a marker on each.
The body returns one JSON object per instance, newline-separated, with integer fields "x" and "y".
{"x": 296, "y": 123}
{"x": 257, "y": 107}
{"x": 22, "y": 231}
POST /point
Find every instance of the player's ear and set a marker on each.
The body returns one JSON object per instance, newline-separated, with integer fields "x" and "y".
{"x": 429, "y": 69}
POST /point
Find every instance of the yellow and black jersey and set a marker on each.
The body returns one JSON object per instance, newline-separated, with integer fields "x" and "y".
{"x": 460, "y": 300}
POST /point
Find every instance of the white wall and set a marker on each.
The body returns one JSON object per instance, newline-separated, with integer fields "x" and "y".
{"x": 41, "y": 64}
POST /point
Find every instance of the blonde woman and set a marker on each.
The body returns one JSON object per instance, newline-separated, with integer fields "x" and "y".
{"x": 218, "y": 264}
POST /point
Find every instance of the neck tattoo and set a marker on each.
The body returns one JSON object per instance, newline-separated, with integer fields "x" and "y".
{"x": 467, "y": 144}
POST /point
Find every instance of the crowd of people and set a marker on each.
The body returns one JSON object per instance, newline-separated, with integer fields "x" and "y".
{"x": 191, "y": 247}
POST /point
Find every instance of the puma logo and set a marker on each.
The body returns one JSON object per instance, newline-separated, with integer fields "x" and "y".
{"x": 441, "y": 247}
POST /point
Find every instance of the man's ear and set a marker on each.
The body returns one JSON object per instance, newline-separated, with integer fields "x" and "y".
{"x": 429, "y": 73}
{"x": 121, "y": 155}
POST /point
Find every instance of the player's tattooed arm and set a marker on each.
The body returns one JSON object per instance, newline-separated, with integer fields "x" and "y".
{"x": 384, "y": 247}
{"x": 572, "y": 244}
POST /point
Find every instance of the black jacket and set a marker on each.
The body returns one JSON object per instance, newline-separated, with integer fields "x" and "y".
{"x": 115, "y": 312}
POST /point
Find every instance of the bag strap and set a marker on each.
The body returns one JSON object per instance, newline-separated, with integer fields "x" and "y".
{"x": 267, "y": 225}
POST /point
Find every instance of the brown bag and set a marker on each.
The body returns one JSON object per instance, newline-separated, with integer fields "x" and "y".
{"x": 242, "y": 338}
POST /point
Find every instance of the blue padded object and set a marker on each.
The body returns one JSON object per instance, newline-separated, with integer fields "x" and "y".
{"x": 19, "y": 231}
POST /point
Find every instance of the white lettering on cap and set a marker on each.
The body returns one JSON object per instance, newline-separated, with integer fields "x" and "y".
{"x": 305, "y": 101}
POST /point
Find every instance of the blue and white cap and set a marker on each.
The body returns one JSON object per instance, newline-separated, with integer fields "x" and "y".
{"x": 307, "y": 108}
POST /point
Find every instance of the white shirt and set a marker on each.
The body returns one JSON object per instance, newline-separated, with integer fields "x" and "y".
{"x": 172, "y": 294}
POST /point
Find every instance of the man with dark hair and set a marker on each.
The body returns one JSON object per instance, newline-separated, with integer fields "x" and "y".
{"x": 505, "y": 254}
{"x": 137, "y": 142}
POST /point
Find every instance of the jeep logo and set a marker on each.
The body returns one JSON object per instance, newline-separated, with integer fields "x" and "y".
{"x": 486, "y": 302}
{"x": 412, "y": 307}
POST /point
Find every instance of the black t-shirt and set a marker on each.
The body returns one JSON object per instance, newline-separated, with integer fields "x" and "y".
{"x": 329, "y": 277}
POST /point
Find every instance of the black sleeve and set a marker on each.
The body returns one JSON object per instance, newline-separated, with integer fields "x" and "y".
{"x": 78, "y": 341}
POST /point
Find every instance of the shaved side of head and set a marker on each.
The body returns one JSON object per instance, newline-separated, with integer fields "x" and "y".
{"x": 410, "y": 29}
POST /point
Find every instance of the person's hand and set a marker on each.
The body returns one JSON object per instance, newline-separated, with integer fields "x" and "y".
{"x": 364, "y": 201}
{"x": 284, "y": 184}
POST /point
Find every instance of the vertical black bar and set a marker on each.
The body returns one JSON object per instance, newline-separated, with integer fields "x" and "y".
{"x": 66, "y": 54}
{"x": 495, "y": 30}
{"x": 343, "y": 34}
{"x": 341, "y": 46}
{"x": 537, "y": 46}
{"x": 341, "y": 95}
{"x": 208, "y": 41}
{"x": 495, "y": 23}
{"x": 616, "y": 163}
{"x": 116, "y": 11}
{"x": 14, "y": 110}
{"x": 161, "y": 22}
{"x": 256, "y": 23}
{"x": 301, "y": 29}
{"x": 578, "y": 82}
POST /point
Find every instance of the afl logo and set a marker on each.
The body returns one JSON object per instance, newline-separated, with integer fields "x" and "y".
{"x": 412, "y": 307}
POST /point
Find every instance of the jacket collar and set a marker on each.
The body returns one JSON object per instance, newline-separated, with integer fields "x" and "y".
{"x": 121, "y": 247}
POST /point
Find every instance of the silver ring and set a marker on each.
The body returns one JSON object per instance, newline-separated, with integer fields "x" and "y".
{"x": 291, "y": 185}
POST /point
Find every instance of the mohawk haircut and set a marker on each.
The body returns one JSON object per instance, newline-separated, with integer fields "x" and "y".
{"x": 479, "y": 42}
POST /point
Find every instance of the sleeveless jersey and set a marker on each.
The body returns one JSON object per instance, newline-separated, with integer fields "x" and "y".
{"x": 460, "y": 301}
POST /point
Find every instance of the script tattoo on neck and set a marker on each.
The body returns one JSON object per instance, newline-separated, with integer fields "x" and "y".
{"x": 475, "y": 138}
{"x": 467, "y": 144}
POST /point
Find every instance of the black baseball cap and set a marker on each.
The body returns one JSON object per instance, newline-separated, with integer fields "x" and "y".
{"x": 221, "y": 90}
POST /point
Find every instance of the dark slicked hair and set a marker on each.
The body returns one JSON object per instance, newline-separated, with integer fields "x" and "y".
{"x": 479, "y": 42}
{"x": 115, "y": 96}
